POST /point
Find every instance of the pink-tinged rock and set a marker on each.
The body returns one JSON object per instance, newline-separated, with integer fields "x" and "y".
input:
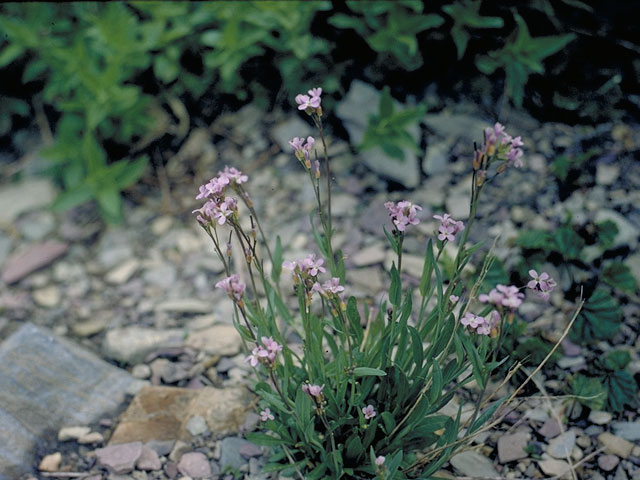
{"x": 119, "y": 458}
{"x": 32, "y": 259}
{"x": 550, "y": 429}
{"x": 148, "y": 460}
{"x": 570, "y": 349}
{"x": 195, "y": 465}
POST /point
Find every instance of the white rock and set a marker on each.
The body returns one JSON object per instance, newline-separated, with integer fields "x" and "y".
{"x": 132, "y": 344}
{"x": 221, "y": 340}
{"x": 72, "y": 433}
{"x": 47, "y": 297}
{"x": 51, "y": 463}
{"x": 123, "y": 272}
{"x": 23, "y": 197}
{"x": 607, "y": 174}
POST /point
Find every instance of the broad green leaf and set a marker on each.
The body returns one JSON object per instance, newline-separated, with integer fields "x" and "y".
{"x": 619, "y": 276}
{"x": 617, "y": 360}
{"x": 599, "y": 319}
{"x": 395, "y": 290}
{"x": 621, "y": 390}
{"x": 589, "y": 391}
{"x": 276, "y": 268}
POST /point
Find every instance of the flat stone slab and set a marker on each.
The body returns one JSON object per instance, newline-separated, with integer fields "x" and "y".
{"x": 47, "y": 382}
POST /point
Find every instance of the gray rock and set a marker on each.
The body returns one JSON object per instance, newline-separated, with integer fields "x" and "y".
{"x": 627, "y": 430}
{"x": 607, "y": 174}
{"x": 5, "y": 246}
{"x": 163, "y": 276}
{"x": 230, "y": 455}
{"x": 370, "y": 255}
{"x": 195, "y": 465}
{"x": 221, "y": 340}
{"x": 458, "y": 126}
{"x": 562, "y": 445}
{"x": 47, "y": 297}
{"x": 554, "y": 467}
{"x": 34, "y": 258}
{"x": 600, "y": 418}
{"x": 119, "y": 458}
{"x": 47, "y": 382}
{"x": 123, "y": 272}
{"x": 608, "y": 462}
{"x": 183, "y": 305}
{"x": 511, "y": 447}
{"x": 436, "y": 160}
{"x": 24, "y": 197}
{"x": 132, "y": 344}
{"x": 550, "y": 429}
{"x": 473, "y": 464}
{"x": 294, "y": 126}
{"x": 360, "y": 102}
{"x": 72, "y": 433}
{"x": 37, "y": 225}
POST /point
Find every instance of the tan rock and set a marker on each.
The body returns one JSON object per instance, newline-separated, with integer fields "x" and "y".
{"x": 162, "y": 413}
{"x": 51, "y": 463}
{"x": 616, "y": 445}
{"x": 554, "y": 467}
{"x": 221, "y": 340}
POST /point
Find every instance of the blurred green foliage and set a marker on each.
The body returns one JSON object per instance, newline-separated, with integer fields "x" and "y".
{"x": 103, "y": 71}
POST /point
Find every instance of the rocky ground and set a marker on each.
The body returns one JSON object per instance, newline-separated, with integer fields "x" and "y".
{"x": 139, "y": 300}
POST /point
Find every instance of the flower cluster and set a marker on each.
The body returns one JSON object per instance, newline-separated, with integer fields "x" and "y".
{"x": 314, "y": 391}
{"x": 448, "y": 228}
{"x": 329, "y": 287}
{"x": 498, "y": 141}
{"x": 506, "y": 296}
{"x": 218, "y": 208}
{"x": 306, "y": 268}
{"x": 541, "y": 283}
{"x": 233, "y": 286}
{"x": 265, "y": 354}
{"x": 403, "y": 214}
{"x": 310, "y": 103}
{"x": 482, "y": 325}
{"x": 303, "y": 150}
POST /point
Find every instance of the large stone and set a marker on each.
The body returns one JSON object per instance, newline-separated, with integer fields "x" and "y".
{"x": 195, "y": 465}
{"x": 627, "y": 430}
{"x": 34, "y": 258}
{"x": 561, "y": 446}
{"x": 23, "y": 197}
{"x": 221, "y": 340}
{"x": 473, "y": 464}
{"x": 615, "y": 445}
{"x": 183, "y": 305}
{"x": 458, "y": 126}
{"x": 47, "y": 382}
{"x": 354, "y": 110}
{"x": 132, "y": 344}
{"x": 511, "y": 447}
{"x": 554, "y": 467}
{"x": 163, "y": 413}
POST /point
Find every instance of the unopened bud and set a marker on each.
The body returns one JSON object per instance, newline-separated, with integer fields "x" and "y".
{"x": 502, "y": 168}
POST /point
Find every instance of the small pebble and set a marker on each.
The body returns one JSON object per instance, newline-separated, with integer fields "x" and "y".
{"x": 51, "y": 463}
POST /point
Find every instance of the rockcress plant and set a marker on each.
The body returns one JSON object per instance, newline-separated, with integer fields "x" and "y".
{"x": 363, "y": 398}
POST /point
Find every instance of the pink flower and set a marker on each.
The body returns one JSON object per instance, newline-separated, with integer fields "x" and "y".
{"x": 303, "y": 102}
{"x": 265, "y": 353}
{"x": 403, "y": 214}
{"x": 379, "y": 461}
{"x": 314, "y": 391}
{"x": 307, "y": 267}
{"x": 448, "y": 227}
{"x": 471, "y": 320}
{"x": 234, "y": 175}
{"x": 497, "y": 141}
{"x": 511, "y": 296}
{"x": 315, "y": 97}
{"x": 303, "y": 150}
{"x": 233, "y": 286}
{"x": 266, "y": 415}
{"x": 542, "y": 284}
{"x": 333, "y": 286}
{"x": 369, "y": 412}
{"x": 453, "y": 298}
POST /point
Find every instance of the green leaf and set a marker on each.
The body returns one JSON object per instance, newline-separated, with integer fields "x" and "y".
{"x": 619, "y": 276}
{"x": 568, "y": 243}
{"x": 607, "y": 232}
{"x": 621, "y": 390}
{"x": 534, "y": 239}
{"x": 617, "y": 360}
{"x": 264, "y": 439}
{"x": 385, "y": 107}
{"x": 599, "y": 319}
{"x": 131, "y": 173}
{"x": 72, "y": 198}
{"x": 276, "y": 268}
{"x": 368, "y": 372}
{"x": 10, "y": 53}
{"x": 486, "y": 415}
{"x": 110, "y": 203}
{"x": 395, "y": 290}
{"x": 479, "y": 371}
{"x": 589, "y": 390}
